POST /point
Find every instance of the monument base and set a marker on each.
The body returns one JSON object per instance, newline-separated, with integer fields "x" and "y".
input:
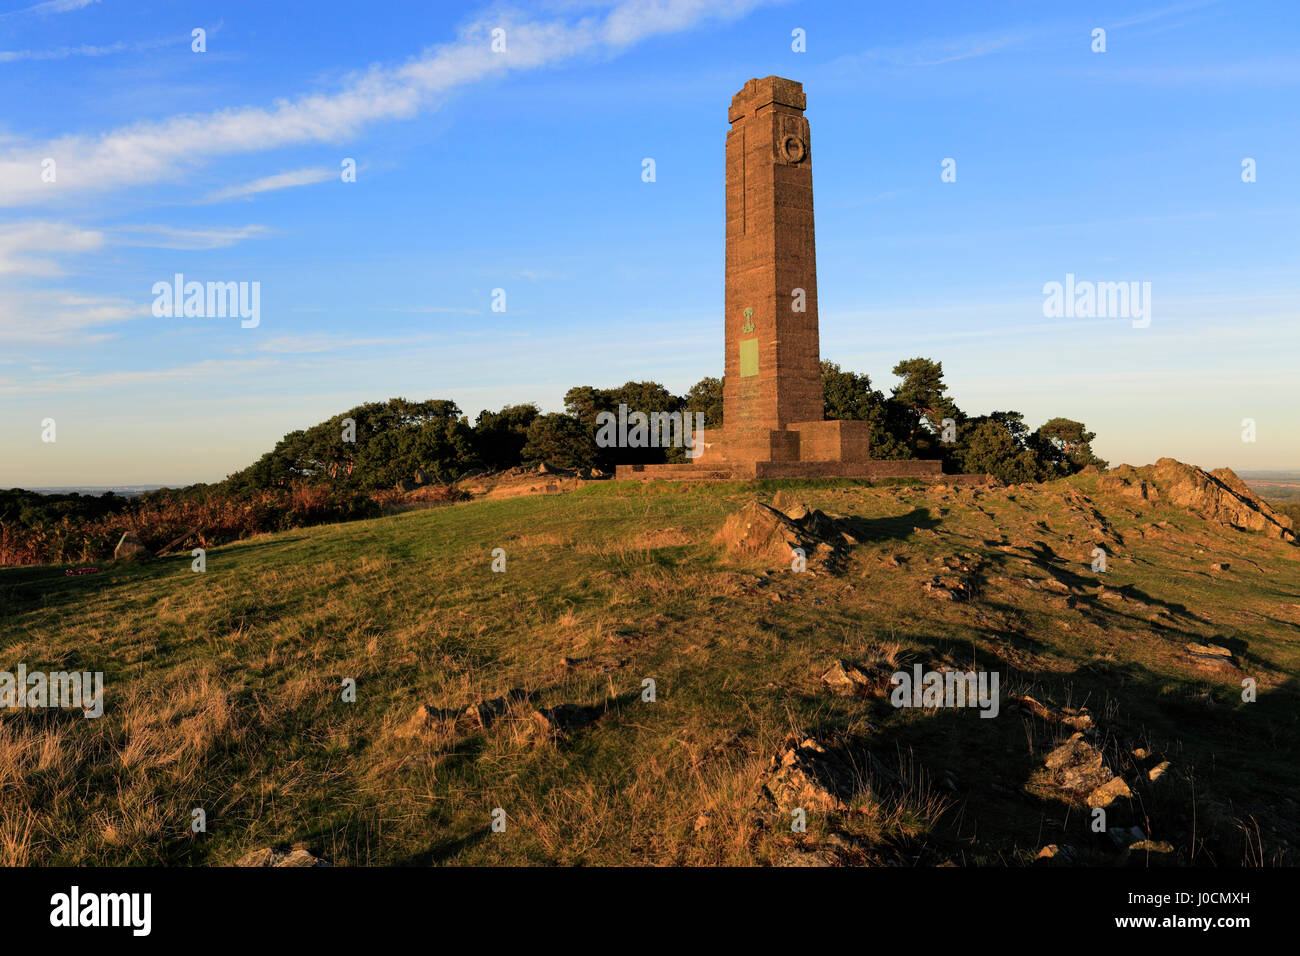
{"x": 747, "y": 470}
{"x": 822, "y": 449}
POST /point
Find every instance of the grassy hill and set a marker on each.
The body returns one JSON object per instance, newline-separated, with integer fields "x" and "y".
{"x": 523, "y": 690}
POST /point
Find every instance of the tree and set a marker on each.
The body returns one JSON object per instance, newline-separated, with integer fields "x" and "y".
{"x": 921, "y": 396}
{"x": 848, "y": 396}
{"x": 706, "y": 396}
{"x": 991, "y": 448}
{"x": 499, "y": 437}
{"x": 1068, "y": 444}
{"x": 560, "y": 441}
{"x": 585, "y": 403}
{"x": 392, "y": 440}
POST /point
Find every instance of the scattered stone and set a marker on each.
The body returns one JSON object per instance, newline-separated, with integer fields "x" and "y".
{"x": 1210, "y": 656}
{"x": 1078, "y": 768}
{"x": 947, "y": 588}
{"x": 1158, "y": 771}
{"x": 1077, "y": 718}
{"x": 1124, "y": 837}
{"x": 298, "y": 856}
{"x": 1149, "y": 853}
{"x": 1220, "y": 566}
{"x": 808, "y": 776}
{"x": 1054, "y": 855}
{"x": 808, "y": 856}
{"x": 846, "y": 680}
{"x": 1108, "y": 793}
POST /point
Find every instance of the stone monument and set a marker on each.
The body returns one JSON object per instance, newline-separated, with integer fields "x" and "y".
{"x": 773, "y": 409}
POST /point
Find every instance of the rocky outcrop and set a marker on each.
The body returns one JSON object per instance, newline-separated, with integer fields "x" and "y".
{"x": 1218, "y": 495}
{"x": 762, "y": 533}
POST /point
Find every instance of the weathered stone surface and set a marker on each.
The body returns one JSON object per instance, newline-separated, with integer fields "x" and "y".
{"x": 1078, "y": 768}
{"x": 298, "y": 856}
{"x": 1054, "y": 855}
{"x": 760, "y": 532}
{"x": 1210, "y": 656}
{"x": 807, "y": 776}
{"x": 1079, "y": 718}
{"x": 808, "y": 856}
{"x": 847, "y": 680}
{"x": 1218, "y": 495}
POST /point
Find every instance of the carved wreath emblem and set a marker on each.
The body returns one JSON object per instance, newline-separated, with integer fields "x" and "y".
{"x": 793, "y": 149}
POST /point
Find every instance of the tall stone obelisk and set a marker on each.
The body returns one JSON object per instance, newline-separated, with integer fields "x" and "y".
{"x": 773, "y": 376}
{"x": 774, "y": 423}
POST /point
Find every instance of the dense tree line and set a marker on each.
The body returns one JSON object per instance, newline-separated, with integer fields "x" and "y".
{"x": 380, "y": 444}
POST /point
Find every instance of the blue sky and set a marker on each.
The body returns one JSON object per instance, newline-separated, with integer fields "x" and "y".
{"x": 522, "y": 171}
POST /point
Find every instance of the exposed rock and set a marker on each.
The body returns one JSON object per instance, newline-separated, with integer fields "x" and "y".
{"x": 298, "y": 856}
{"x": 1078, "y": 768}
{"x": 760, "y": 532}
{"x": 1109, "y": 792}
{"x": 1077, "y": 718}
{"x": 846, "y": 680}
{"x": 1158, "y": 771}
{"x": 808, "y": 856}
{"x": 1054, "y": 855}
{"x": 1210, "y": 656}
{"x": 947, "y": 588}
{"x": 807, "y": 776}
{"x": 790, "y": 506}
{"x": 129, "y": 548}
{"x": 1219, "y": 495}
{"x": 1125, "y": 837}
{"x": 1149, "y": 853}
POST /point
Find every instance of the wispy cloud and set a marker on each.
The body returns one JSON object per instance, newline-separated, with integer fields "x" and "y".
{"x": 312, "y": 344}
{"x": 296, "y": 177}
{"x": 29, "y": 248}
{"x": 86, "y": 49}
{"x": 172, "y": 237}
{"x": 210, "y": 369}
{"x": 151, "y": 152}
{"x": 59, "y": 317}
{"x": 51, "y": 6}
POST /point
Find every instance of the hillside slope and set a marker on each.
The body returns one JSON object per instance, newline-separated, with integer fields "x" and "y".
{"x": 524, "y": 690}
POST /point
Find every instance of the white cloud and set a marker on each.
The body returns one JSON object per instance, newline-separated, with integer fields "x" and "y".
{"x": 59, "y": 317}
{"x": 26, "y": 247}
{"x": 86, "y": 49}
{"x": 51, "y": 6}
{"x": 172, "y": 237}
{"x": 296, "y": 177}
{"x": 209, "y": 369}
{"x": 153, "y": 151}
{"x": 311, "y": 344}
